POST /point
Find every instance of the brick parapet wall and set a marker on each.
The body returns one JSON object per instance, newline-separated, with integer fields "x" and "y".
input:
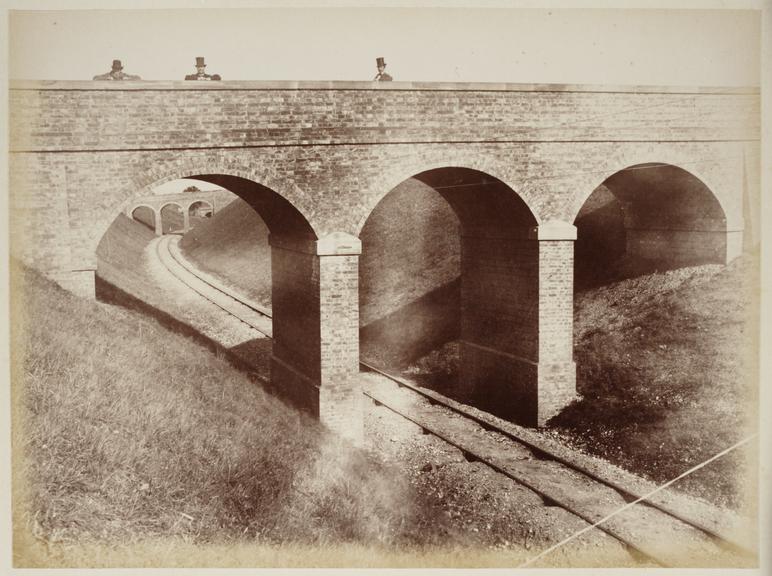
{"x": 82, "y": 116}
{"x": 349, "y": 144}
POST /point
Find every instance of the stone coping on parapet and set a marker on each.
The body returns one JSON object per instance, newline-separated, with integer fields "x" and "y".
{"x": 256, "y": 85}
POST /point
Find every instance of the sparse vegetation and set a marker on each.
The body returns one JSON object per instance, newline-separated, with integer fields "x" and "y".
{"x": 667, "y": 367}
{"x": 667, "y": 373}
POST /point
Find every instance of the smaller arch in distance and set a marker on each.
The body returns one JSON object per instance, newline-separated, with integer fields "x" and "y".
{"x": 167, "y": 213}
{"x": 200, "y": 202}
{"x": 152, "y": 212}
{"x": 167, "y": 204}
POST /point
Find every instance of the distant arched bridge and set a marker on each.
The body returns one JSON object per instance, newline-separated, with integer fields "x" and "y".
{"x": 188, "y": 204}
{"x": 515, "y": 162}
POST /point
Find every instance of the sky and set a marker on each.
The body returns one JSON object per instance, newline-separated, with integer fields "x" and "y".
{"x": 674, "y": 47}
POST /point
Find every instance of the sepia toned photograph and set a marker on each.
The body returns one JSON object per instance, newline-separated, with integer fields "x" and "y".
{"x": 417, "y": 286}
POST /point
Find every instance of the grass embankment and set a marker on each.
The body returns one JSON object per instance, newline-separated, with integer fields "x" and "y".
{"x": 125, "y": 432}
{"x": 120, "y": 254}
{"x": 667, "y": 367}
{"x": 144, "y": 216}
{"x": 667, "y": 373}
{"x": 233, "y": 245}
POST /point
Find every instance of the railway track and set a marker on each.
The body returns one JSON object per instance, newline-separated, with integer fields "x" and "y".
{"x": 667, "y": 528}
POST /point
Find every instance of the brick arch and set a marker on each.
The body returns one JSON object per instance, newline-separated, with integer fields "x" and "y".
{"x": 383, "y": 183}
{"x": 141, "y": 205}
{"x": 662, "y": 213}
{"x": 587, "y": 183}
{"x": 171, "y": 203}
{"x": 207, "y": 202}
{"x": 178, "y": 169}
{"x": 167, "y": 171}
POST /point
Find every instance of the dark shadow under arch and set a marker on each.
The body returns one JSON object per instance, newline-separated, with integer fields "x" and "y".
{"x": 647, "y": 217}
{"x": 281, "y": 217}
{"x": 145, "y": 215}
{"x": 448, "y": 269}
{"x": 172, "y": 217}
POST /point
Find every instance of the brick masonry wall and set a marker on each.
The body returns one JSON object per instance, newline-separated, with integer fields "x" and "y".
{"x": 316, "y": 332}
{"x": 499, "y": 294}
{"x": 296, "y": 311}
{"x": 82, "y": 116}
{"x": 340, "y": 397}
{"x": 335, "y": 150}
{"x": 556, "y": 300}
{"x": 334, "y": 188}
{"x": 557, "y": 371}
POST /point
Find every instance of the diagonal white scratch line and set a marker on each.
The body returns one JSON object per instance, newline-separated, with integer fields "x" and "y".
{"x": 626, "y": 506}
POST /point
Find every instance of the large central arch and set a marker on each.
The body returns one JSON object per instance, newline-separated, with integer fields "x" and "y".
{"x": 515, "y": 358}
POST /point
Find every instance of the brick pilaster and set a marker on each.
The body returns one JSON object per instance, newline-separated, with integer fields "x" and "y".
{"x": 159, "y": 227}
{"x": 517, "y": 322}
{"x": 556, "y": 370}
{"x": 316, "y": 328}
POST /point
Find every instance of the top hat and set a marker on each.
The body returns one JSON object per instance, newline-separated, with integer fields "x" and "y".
{"x": 200, "y": 62}
{"x": 117, "y": 65}
{"x": 380, "y": 61}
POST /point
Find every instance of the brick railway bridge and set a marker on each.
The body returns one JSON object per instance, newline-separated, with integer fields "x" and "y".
{"x": 186, "y": 202}
{"x": 515, "y": 163}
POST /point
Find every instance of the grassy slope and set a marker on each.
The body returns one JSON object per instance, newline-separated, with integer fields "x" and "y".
{"x": 668, "y": 372}
{"x": 233, "y": 244}
{"x": 120, "y": 253}
{"x": 125, "y": 431}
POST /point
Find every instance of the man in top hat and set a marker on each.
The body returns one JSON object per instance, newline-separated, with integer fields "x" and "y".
{"x": 201, "y": 72}
{"x": 116, "y": 73}
{"x": 381, "y": 76}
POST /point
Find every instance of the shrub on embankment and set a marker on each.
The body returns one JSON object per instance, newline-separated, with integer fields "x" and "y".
{"x": 124, "y": 432}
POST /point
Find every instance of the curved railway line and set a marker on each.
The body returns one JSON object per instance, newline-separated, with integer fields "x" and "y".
{"x": 668, "y": 528}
